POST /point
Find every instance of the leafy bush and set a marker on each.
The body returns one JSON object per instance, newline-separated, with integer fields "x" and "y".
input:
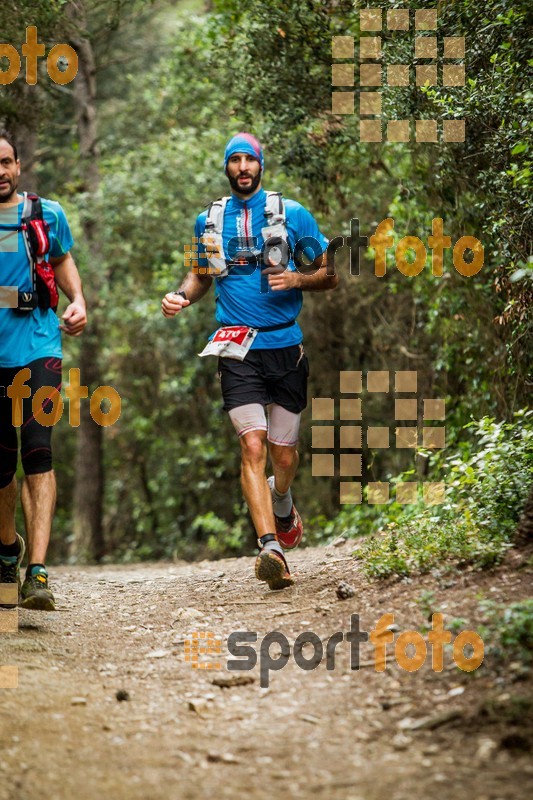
{"x": 225, "y": 539}
{"x": 486, "y": 490}
{"x": 508, "y": 631}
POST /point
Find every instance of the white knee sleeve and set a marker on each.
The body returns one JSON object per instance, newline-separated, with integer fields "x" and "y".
{"x": 250, "y": 417}
{"x": 283, "y": 426}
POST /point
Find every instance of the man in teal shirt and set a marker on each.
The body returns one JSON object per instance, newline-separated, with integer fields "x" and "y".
{"x": 30, "y": 340}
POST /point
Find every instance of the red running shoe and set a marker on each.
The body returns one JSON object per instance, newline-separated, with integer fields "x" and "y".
{"x": 289, "y": 529}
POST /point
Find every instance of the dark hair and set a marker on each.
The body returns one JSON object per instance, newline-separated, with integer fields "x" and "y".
{"x": 4, "y": 134}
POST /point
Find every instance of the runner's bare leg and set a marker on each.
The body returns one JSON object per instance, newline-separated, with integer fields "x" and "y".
{"x": 285, "y": 460}
{"x": 254, "y": 483}
{"x": 8, "y": 504}
{"x": 38, "y": 502}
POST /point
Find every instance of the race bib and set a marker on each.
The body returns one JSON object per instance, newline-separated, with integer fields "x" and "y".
{"x": 233, "y": 341}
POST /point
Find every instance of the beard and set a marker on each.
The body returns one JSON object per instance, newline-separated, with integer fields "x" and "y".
{"x": 7, "y": 193}
{"x": 234, "y": 183}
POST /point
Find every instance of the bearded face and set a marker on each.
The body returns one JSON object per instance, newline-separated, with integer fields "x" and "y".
{"x": 244, "y": 173}
{"x": 9, "y": 172}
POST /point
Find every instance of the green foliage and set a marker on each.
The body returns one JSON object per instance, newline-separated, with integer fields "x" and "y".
{"x": 487, "y": 484}
{"x": 482, "y": 185}
{"x": 224, "y": 539}
{"x": 507, "y": 631}
{"x": 173, "y": 83}
{"x": 427, "y": 603}
{"x": 171, "y": 460}
{"x": 457, "y": 624}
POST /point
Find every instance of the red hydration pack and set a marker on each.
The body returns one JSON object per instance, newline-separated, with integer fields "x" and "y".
{"x": 37, "y": 242}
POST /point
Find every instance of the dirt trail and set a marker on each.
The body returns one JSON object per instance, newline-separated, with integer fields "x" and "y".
{"x": 332, "y": 734}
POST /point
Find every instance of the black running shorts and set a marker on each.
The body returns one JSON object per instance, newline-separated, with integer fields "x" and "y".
{"x": 35, "y": 439}
{"x": 264, "y": 377}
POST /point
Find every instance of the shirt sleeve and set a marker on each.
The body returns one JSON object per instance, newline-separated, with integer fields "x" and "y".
{"x": 305, "y": 232}
{"x": 61, "y": 240}
{"x": 307, "y": 226}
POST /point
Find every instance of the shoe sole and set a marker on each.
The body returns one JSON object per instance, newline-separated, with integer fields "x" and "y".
{"x": 272, "y": 570}
{"x": 36, "y": 603}
{"x": 19, "y": 582}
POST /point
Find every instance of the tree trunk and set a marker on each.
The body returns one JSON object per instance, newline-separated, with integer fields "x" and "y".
{"x": 26, "y": 139}
{"x": 88, "y": 541}
{"x": 23, "y": 126}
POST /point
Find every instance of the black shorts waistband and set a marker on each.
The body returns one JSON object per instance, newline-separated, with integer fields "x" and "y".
{"x": 280, "y": 327}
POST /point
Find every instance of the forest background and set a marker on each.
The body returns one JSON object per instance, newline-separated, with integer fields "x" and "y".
{"x": 132, "y": 148}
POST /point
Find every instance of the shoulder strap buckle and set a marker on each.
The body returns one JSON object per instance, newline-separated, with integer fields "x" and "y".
{"x": 275, "y": 209}
{"x": 215, "y": 215}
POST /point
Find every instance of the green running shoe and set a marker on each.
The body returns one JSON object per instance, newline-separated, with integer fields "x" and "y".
{"x": 10, "y": 572}
{"x": 35, "y": 592}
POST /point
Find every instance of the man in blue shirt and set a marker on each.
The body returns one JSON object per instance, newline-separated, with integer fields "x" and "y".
{"x": 30, "y": 348}
{"x": 249, "y": 244}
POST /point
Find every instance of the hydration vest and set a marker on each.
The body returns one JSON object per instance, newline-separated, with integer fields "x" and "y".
{"x": 34, "y": 229}
{"x": 274, "y": 233}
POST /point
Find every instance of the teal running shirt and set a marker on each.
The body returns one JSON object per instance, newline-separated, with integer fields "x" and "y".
{"x": 36, "y": 334}
{"x": 243, "y": 297}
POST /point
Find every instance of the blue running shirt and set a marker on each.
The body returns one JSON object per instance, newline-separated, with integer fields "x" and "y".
{"x": 243, "y": 297}
{"x": 24, "y": 338}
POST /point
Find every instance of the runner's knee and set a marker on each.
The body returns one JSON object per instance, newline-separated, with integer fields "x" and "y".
{"x": 36, "y": 449}
{"x": 37, "y": 462}
{"x": 8, "y": 448}
{"x": 8, "y": 468}
{"x": 253, "y": 447}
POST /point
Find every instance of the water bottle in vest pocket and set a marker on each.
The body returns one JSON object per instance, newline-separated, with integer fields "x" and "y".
{"x": 45, "y": 284}
{"x": 35, "y": 230}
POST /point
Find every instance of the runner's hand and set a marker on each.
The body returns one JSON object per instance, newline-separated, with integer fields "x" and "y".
{"x": 74, "y": 319}
{"x": 173, "y": 303}
{"x": 281, "y": 279}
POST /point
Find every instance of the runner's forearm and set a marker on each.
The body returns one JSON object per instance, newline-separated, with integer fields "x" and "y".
{"x": 319, "y": 282}
{"x": 195, "y": 286}
{"x": 68, "y": 278}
